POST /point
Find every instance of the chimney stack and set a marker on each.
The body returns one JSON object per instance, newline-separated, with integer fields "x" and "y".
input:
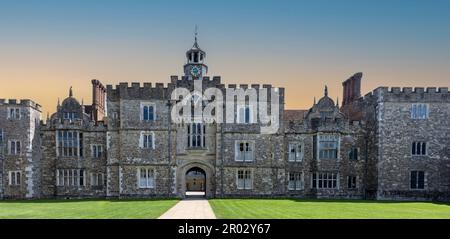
{"x": 98, "y": 100}
{"x": 352, "y": 88}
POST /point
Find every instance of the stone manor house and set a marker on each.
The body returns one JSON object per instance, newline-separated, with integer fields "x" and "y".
{"x": 392, "y": 143}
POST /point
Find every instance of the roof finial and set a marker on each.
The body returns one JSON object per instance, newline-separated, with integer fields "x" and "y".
{"x": 196, "y": 32}
{"x": 337, "y": 102}
{"x": 326, "y": 91}
{"x": 70, "y": 92}
{"x": 59, "y": 104}
{"x": 314, "y": 100}
{"x": 195, "y": 35}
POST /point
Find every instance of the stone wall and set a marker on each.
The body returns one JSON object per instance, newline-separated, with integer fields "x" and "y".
{"x": 93, "y": 134}
{"x": 396, "y": 131}
{"x": 25, "y": 130}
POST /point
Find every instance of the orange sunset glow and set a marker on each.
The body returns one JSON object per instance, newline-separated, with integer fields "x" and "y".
{"x": 45, "y": 51}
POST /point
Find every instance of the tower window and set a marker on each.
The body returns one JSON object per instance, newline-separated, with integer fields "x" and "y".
{"x": 196, "y": 135}
{"x": 245, "y": 114}
{"x": 13, "y": 113}
{"x": 14, "y": 147}
{"x": 147, "y": 112}
{"x": 196, "y": 57}
{"x": 147, "y": 140}
{"x": 14, "y": 177}
{"x": 419, "y": 111}
{"x": 419, "y": 148}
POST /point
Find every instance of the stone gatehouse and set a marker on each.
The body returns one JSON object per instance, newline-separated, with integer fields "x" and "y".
{"x": 392, "y": 143}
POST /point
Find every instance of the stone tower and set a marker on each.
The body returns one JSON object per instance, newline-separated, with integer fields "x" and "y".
{"x": 195, "y": 67}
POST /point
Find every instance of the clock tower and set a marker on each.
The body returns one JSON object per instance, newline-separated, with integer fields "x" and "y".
{"x": 195, "y": 68}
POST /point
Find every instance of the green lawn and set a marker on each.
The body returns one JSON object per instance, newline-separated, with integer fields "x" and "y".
{"x": 326, "y": 209}
{"x": 85, "y": 208}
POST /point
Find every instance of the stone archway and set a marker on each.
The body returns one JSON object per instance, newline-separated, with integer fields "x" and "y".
{"x": 201, "y": 171}
{"x": 195, "y": 179}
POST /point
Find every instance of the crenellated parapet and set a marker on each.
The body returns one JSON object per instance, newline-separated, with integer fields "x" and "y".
{"x": 410, "y": 94}
{"x": 20, "y": 102}
{"x": 161, "y": 91}
{"x": 124, "y": 91}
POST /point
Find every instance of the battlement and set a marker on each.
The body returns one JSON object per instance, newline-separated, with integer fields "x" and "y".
{"x": 136, "y": 90}
{"x": 162, "y": 91}
{"x": 20, "y": 102}
{"x": 254, "y": 86}
{"x": 411, "y": 94}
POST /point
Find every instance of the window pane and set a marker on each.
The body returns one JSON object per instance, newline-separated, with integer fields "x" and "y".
{"x": 12, "y": 148}
{"x": 145, "y": 113}
{"x": 151, "y": 113}
{"x": 421, "y": 180}
{"x": 414, "y": 179}
{"x": 242, "y": 115}
{"x": 81, "y": 177}
{"x": 247, "y": 115}
{"x": 142, "y": 177}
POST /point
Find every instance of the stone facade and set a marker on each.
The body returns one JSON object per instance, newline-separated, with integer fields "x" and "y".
{"x": 396, "y": 131}
{"x": 20, "y": 145}
{"x": 126, "y": 145}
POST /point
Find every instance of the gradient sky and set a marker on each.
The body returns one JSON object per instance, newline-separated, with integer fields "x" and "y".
{"x": 48, "y": 46}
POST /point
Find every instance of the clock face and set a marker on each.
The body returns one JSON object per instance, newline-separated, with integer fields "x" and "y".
{"x": 195, "y": 71}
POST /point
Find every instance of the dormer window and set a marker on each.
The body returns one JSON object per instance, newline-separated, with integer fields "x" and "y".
{"x": 69, "y": 115}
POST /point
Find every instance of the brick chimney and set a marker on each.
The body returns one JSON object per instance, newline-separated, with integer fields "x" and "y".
{"x": 352, "y": 88}
{"x": 98, "y": 100}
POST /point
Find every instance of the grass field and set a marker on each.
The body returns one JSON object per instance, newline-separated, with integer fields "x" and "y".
{"x": 75, "y": 209}
{"x": 324, "y": 209}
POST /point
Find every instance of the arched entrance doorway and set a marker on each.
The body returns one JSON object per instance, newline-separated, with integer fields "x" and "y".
{"x": 195, "y": 179}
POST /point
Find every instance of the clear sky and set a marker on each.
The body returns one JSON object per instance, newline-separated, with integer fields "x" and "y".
{"x": 48, "y": 46}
